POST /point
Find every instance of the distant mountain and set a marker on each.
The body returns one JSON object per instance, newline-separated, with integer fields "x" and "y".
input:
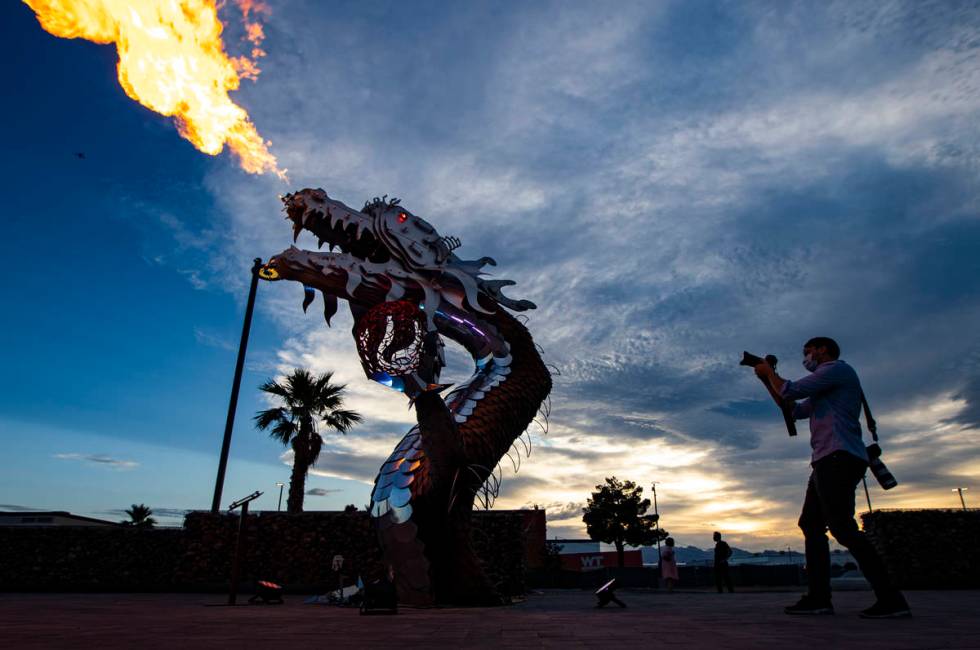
{"x": 706, "y": 556}
{"x": 691, "y": 554}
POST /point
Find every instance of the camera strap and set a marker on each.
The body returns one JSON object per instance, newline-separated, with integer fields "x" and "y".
{"x": 872, "y": 425}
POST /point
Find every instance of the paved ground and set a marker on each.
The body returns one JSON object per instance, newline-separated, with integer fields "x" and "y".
{"x": 557, "y": 619}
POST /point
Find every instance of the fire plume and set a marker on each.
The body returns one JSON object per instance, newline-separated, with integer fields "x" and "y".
{"x": 172, "y": 60}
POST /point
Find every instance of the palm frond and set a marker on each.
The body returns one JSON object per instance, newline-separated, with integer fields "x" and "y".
{"x": 284, "y": 431}
{"x": 316, "y": 444}
{"x": 139, "y": 516}
{"x": 265, "y": 419}
{"x": 273, "y": 387}
{"x": 342, "y": 420}
{"x": 307, "y": 399}
{"x": 300, "y": 385}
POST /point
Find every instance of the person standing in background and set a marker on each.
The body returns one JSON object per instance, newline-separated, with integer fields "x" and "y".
{"x": 668, "y": 565}
{"x": 722, "y": 552}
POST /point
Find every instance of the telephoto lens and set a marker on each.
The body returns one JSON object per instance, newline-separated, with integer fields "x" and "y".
{"x": 884, "y": 477}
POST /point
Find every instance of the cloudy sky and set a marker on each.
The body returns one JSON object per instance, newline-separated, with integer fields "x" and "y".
{"x": 671, "y": 183}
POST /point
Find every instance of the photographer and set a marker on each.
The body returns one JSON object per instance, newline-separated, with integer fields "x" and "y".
{"x": 831, "y": 399}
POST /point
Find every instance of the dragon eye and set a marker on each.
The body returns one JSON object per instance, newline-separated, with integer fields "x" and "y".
{"x": 402, "y": 217}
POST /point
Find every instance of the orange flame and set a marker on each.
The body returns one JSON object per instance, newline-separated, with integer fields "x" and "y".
{"x": 172, "y": 61}
{"x": 248, "y": 68}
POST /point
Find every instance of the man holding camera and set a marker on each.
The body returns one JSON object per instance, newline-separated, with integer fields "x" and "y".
{"x": 831, "y": 399}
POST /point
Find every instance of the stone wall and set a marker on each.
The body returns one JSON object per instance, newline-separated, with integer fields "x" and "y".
{"x": 294, "y": 550}
{"x": 88, "y": 558}
{"x": 928, "y": 549}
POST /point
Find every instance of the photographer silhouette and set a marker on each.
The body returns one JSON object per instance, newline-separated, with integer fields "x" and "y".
{"x": 830, "y": 397}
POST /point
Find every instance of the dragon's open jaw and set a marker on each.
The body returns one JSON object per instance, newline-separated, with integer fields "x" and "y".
{"x": 342, "y": 275}
{"x": 387, "y": 253}
{"x": 335, "y": 224}
{"x": 373, "y": 265}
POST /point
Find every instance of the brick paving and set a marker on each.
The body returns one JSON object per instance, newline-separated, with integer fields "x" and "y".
{"x": 549, "y": 619}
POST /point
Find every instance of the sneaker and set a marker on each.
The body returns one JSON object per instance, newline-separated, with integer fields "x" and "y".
{"x": 892, "y": 608}
{"x": 808, "y": 605}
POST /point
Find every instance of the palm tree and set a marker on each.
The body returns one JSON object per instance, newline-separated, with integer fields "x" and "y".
{"x": 139, "y": 516}
{"x": 307, "y": 399}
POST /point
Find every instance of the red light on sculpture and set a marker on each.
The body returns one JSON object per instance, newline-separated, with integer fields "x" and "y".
{"x": 402, "y": 217}
{"x": 267, "y": 592}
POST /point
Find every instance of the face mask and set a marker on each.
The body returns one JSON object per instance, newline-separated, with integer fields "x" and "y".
{"x": 810, "y": 363}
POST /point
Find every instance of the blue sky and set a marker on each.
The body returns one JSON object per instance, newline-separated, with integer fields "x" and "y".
{"x": 671, "y": 182}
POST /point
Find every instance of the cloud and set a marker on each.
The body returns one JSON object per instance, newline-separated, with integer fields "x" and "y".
{"x": 100, "y": 459}
{"x": 336, "y": 464}
{"x": 320, "y": 492}
{"x": 170, "y": 513}
{"x": 969, "y": 396}
{"x": 194, "y": 277}
{"x": 213, "y": 340}
{"x": 671, "y": 185}
{"x": 558, "y": 511}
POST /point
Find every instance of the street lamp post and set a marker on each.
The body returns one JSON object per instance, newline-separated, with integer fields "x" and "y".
{"x": 867, "y": 495}
{"x": 240, "y": 542}
{"x": 961, "y": 490}
{"x": 656, "y": 512}
{"x": 280, "y": 484}
{"x": 235, "y": 385}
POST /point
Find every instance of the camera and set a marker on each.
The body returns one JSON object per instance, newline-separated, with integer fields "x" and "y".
{"x": 751, "y": 360}
{"x": 786, "y": 406}
{"x": 881, "y": 473}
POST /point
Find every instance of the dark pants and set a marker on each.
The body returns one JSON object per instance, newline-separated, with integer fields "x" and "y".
{"x": 722, "y": 575}
{"x": 829, "y": 503}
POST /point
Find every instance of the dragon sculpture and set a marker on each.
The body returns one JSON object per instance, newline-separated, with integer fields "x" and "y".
{"x": 408, "y": 291}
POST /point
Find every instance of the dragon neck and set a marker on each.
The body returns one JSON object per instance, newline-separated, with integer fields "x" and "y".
{"x": 498, "y": 402}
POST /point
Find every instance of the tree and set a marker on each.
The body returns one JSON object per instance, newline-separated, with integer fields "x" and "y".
{"x": 306, "y": 400}
{"x": 616, "y": 515}
{"x": 552, "y": 556}
{"x": 139, "y": 516}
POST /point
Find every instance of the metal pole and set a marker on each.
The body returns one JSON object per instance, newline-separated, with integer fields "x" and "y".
{"x": 235, "y": 384}
{"x": 962, "y": 500}
{"x": 279, "y": 507}
{"x": 236, "y": 563}
{"x": 867, "y": 495}
{"x": 660, "y": 570}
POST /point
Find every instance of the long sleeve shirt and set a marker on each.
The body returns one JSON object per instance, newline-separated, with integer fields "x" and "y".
{"x": 831, "y": 400}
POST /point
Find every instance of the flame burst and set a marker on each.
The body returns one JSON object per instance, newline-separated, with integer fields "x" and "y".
{"x": 172, "y": 61}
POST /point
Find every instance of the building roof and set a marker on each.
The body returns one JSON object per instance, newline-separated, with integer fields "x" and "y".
{"x": 17, "y": 518}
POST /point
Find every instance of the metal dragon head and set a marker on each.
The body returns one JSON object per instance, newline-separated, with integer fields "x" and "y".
{"x": 386, "y": 254}
{"x": 381, "y": 231}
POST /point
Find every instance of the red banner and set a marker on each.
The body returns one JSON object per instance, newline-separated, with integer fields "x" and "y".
{"x": 593, "y": 561}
